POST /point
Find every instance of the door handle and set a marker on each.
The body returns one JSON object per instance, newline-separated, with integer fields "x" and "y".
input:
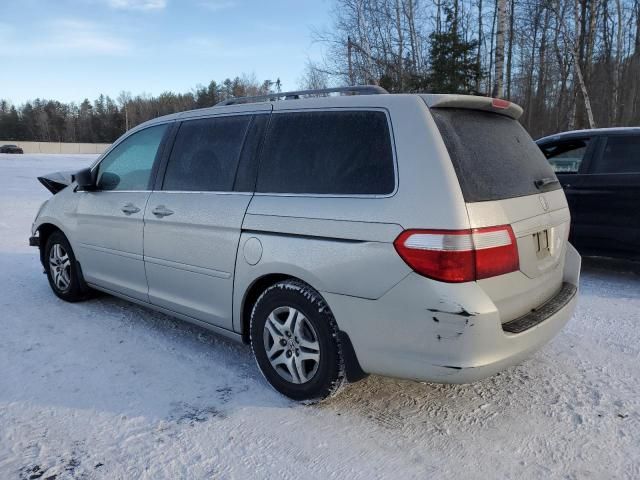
{"x": 130, "y": 209}
{"x": 161, "y": 211}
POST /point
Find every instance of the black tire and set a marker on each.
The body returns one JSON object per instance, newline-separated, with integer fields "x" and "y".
{"x": 329, "y": 373}
{"x": 76, "y": 290}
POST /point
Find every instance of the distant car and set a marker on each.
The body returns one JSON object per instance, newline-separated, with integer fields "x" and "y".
{"x": 599, "y": 170}
{"x": 10, "y": 149}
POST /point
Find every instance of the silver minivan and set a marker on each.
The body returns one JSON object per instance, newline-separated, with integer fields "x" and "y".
{"x": 340, "y": 232}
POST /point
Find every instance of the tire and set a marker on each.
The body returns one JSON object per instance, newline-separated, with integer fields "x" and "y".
{"x": 295, "y": 343}
{"x": 63, "y": 271}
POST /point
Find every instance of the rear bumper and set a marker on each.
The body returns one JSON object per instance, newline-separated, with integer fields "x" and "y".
{"x": 431, "y": 331}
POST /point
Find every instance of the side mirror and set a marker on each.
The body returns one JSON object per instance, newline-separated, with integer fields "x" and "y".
{"x": 84, "y": 179}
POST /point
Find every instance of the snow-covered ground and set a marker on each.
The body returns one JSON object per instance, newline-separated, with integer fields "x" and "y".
{"x": 106, "y": 389}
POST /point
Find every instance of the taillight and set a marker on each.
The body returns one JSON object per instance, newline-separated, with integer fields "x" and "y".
{"x": 459, "y": 255}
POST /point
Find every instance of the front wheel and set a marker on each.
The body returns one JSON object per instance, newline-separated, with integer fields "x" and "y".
{"x": 63, "y": 272}
{"x": 295, "y": 343}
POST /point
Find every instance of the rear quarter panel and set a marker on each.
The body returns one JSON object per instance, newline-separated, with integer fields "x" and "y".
{"x": 343, "y": 245}
{"x": 350, "y": 259}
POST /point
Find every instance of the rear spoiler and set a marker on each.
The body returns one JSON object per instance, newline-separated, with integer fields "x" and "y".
{"x": 472, "y": 102}
{"x": 54, "y": 182}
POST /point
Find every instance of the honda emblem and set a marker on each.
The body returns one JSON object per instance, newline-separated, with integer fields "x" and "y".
{"x": 544, "y": 203}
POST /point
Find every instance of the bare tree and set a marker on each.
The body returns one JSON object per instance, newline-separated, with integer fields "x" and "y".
{"x": 313, "y": 78}
{"x": 498, "y": 90}
{"x": 124, "y": 98}
{"x": 569, "y": 63}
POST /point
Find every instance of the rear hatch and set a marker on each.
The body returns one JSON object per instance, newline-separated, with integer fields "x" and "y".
{"x": 506, "y": 180}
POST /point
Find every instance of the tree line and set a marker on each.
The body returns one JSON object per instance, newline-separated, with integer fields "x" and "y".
{"x": 105, "y": 119}
{"x": 569, "y": 63}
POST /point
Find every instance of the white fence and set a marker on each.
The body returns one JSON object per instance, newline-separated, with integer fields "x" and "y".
{"x": 58, "y": 147}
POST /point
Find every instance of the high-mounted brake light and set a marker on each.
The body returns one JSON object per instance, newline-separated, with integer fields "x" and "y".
{"x": 460, "y": 255}
{"x": 500, "y": 103}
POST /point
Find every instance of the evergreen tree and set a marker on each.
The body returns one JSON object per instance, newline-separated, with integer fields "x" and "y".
{"x": 105, "y": 120}
{"x": 453, "y": 64}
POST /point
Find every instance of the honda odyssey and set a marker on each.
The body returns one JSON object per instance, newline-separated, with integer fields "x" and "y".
{"x": 339, "y": 232}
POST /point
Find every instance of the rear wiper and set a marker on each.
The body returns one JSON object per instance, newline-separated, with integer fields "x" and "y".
{"x": 545, "y": 182}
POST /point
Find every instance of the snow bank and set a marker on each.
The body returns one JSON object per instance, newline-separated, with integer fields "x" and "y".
{"x": 106, "y": 389}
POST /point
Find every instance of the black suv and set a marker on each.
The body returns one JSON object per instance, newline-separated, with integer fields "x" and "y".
{"x": 599, "y": 170}
{"x": 10, "y": 149}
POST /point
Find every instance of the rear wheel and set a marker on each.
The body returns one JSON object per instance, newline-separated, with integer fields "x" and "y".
{"x": 63, "y": 272}
{"x": 295, "y": 343}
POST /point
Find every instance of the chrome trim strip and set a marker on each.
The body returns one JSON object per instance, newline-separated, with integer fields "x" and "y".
{"x": 169, "y": 191}
{"x": 114, "y": 191}
{"x": 308, "y": 195}
{"x": 396, "y": 172}
{"x": 322, "y": 195}
{"x": 203, "y": 192}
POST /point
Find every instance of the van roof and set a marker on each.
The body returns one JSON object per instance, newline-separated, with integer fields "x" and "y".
{"x": 345, "y": 94}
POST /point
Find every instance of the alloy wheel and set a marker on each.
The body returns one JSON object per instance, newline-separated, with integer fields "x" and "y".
{"x": 60, "y": 267}
{"x": 291, "y": 344}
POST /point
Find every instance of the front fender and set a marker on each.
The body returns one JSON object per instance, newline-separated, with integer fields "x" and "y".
{"x": 59, "y": 211}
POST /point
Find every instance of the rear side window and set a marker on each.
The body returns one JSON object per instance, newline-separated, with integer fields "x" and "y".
{"x": 493, "y": 155}
{"x": 335, "y": 153}
{"x": 205, "y": 154}
{"x": 566, "y": 157}
{"x": 621, "y": 155}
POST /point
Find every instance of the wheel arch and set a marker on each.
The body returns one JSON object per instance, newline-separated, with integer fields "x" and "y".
{"x": 44, "y": 232}
{"x": 251, "y": 295}
{"x": 353, "y": 369}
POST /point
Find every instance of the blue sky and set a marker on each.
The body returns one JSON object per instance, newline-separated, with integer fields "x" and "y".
{"x": 72, "y": 49}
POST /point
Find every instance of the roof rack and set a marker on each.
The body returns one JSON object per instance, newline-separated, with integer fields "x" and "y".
{"x": 271, "y": 97}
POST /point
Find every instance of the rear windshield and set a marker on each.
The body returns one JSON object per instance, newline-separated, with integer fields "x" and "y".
{"x": 493, "y": 155}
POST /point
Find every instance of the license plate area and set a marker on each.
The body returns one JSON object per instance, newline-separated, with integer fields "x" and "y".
{"x": 541, "y": 242}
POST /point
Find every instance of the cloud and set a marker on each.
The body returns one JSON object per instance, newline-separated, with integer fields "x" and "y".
{"x": 64, "y": 38}
{"x": 137, "y": 4}
{"x": 85, "y": 37}
{"x": 217, "y": 5}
